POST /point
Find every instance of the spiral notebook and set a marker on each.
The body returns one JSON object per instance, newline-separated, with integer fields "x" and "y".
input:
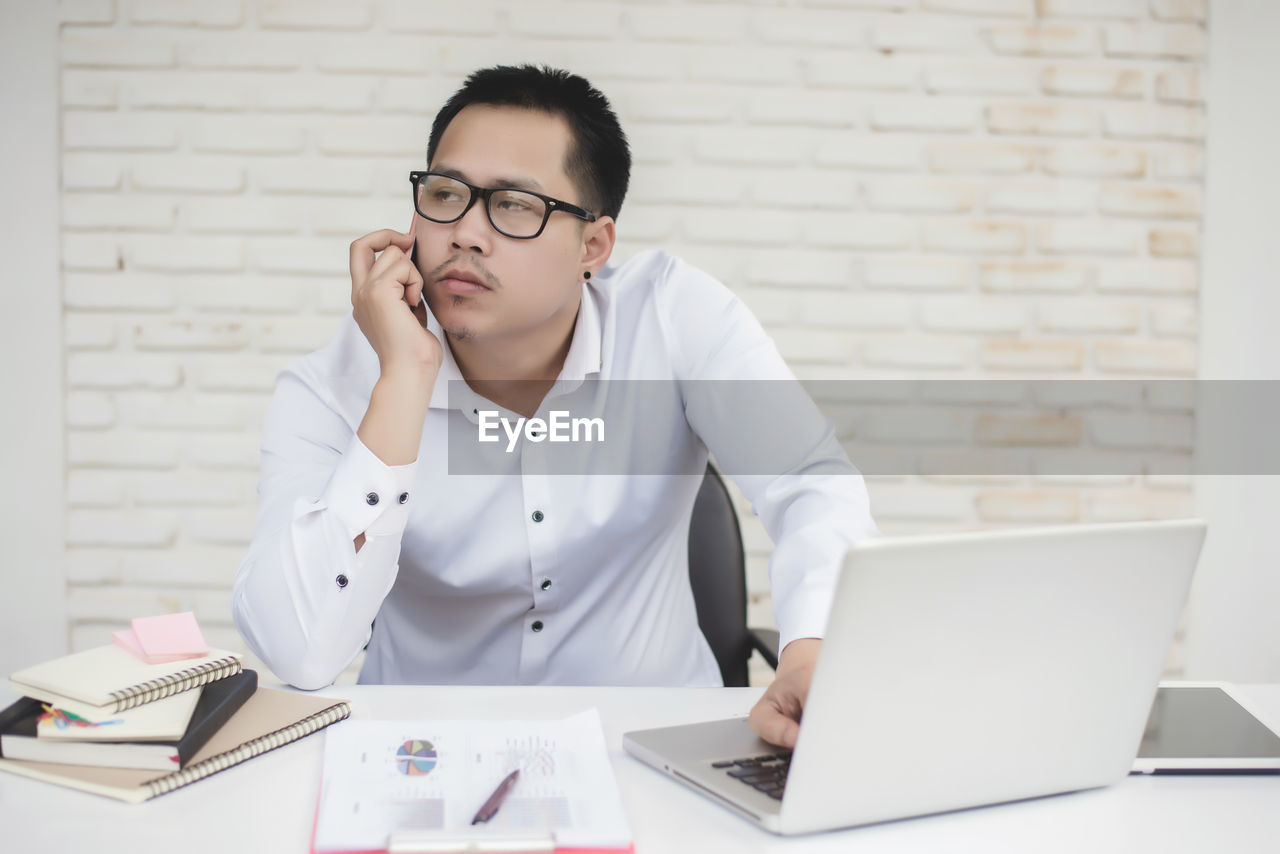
{"x": 269, "y": 719}
{"x": 161, "y": 720}
{"x": 23, "y": 732}
{"x": 106, "y": 679}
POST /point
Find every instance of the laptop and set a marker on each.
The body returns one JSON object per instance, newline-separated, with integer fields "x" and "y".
{"x": 960, "y": 670}
{"x": 1205, "y": 728}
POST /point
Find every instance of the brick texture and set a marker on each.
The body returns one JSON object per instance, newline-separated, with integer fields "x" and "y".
{"x": 1008, "y": 188}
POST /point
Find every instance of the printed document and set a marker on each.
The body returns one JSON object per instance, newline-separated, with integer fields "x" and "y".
{"x": 387, "y": 779}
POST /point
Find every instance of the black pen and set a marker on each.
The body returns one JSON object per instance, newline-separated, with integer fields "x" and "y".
{"x": 490, "y": 807}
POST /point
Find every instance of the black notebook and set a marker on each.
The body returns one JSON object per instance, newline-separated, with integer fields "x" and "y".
{"x": 218, "y": 702}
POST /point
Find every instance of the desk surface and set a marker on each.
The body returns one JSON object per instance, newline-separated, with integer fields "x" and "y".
{"x": 268, "y": 803}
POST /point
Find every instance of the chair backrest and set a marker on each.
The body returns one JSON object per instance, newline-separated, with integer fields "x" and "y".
{"x": 717, "y": 572}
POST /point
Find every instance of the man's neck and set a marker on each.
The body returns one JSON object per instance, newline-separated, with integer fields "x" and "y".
{"x": 517, "y": 372}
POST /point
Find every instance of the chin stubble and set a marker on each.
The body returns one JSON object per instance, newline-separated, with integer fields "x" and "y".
{"x": 462, "y": 333}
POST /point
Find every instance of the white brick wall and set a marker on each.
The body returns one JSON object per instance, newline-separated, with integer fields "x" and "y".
{"x": 980, "y": 187}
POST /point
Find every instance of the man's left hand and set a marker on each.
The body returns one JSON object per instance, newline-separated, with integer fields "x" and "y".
{"x": 776, "y": 716}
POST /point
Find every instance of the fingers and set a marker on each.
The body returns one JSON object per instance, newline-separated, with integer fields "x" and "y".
{"x": 363, "y": 252}
{"x": 413, "y": 288}
{"x": 772, "y": 725}
{"x": 776, "y": 717}
{"x": 393, "y": 267}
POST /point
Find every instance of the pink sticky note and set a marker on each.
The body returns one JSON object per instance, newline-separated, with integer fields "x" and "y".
{"x": 169, "y": 637}
{"x": 128, "y": 641}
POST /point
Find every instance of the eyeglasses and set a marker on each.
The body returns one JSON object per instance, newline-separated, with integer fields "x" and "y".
{"x": 521, "y": 214}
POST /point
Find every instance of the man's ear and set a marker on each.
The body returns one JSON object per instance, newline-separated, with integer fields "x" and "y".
{"x": 597, "y": 242}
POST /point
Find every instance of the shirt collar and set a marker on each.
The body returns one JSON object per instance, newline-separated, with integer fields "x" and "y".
{"x": 449, "y": 371}
{"x": 582, "y": 360}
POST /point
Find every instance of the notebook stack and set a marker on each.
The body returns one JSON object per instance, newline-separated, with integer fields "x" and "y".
{"x": 152, "y": 711}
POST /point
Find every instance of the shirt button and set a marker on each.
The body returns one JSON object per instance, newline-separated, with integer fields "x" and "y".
{"x": 537, "y": 625}
{"x": 404, "y": 497}
{"x": 537, "y": 516}
{"x": 371, "y": 499}
{"x": 342, "y": 581}
{"x": 546, "y": 584}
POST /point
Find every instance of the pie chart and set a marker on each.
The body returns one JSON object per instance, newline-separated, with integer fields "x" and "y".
{"x": 416, "y": 757}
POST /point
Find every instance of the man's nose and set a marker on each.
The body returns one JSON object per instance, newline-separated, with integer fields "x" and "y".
{"x": 473, "y": 230}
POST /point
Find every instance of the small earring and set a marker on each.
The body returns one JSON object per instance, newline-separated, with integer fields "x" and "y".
{"x": 587, "y": 274}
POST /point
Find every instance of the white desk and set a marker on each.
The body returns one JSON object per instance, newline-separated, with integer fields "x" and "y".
{"x": 268, "y": 803}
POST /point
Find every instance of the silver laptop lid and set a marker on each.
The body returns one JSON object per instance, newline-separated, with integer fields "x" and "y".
{"x": 978, "y": 668}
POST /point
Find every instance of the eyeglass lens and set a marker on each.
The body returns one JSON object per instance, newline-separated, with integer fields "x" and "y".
{"x": 512, "y": 212}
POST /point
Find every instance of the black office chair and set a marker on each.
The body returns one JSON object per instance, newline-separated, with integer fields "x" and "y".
{"x": 718, "y": 574}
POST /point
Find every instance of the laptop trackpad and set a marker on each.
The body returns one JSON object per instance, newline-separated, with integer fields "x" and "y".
{"x": 726, "y": 738}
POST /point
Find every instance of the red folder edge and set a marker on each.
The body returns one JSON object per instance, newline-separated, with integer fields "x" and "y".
{"x": 315, "y": 823}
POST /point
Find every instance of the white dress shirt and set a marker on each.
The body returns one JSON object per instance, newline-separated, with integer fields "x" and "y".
{"x": 532, "y": 575}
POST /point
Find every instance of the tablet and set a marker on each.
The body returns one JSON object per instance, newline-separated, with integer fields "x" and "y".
{"x": 1201, "y": 728}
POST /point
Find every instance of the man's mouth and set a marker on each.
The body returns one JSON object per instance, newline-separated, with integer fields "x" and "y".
{"x": 460, "y": 281}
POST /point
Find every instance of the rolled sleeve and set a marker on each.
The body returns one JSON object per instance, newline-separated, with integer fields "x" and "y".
{"x": 813, "y": 520}
{"x": 304, "y": 598}
{"x": 368, "y": 496}
{"x": 770, "y": 438}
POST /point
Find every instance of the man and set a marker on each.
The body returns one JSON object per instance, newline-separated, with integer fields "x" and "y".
{"x": 501, "y": 300}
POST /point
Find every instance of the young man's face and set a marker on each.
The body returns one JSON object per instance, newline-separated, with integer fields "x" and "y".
{"x": 531, "y": 283}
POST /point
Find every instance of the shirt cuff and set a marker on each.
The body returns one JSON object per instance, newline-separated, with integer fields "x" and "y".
{"x": 804, "y": 615}
{"x": 368, "y": 496}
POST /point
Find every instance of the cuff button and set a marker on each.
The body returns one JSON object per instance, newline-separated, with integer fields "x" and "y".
{"x": 342, "y": 581}
{"x": 371, "y": 499}
{"x": 404, "y": 498}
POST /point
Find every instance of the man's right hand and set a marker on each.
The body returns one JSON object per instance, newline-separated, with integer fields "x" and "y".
{"x": 386, "y": 300}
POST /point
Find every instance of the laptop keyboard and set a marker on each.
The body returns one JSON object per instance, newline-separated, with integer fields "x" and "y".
{"x": 767, "y": 774}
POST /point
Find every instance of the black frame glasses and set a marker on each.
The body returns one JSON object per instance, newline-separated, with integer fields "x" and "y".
{"x": 486, "y": 193}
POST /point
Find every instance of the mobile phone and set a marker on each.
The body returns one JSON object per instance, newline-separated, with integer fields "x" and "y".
{"x": 413, "y": 256}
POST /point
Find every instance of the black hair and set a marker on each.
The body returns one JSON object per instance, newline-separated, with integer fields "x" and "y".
{"x": 598, "y": 160}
